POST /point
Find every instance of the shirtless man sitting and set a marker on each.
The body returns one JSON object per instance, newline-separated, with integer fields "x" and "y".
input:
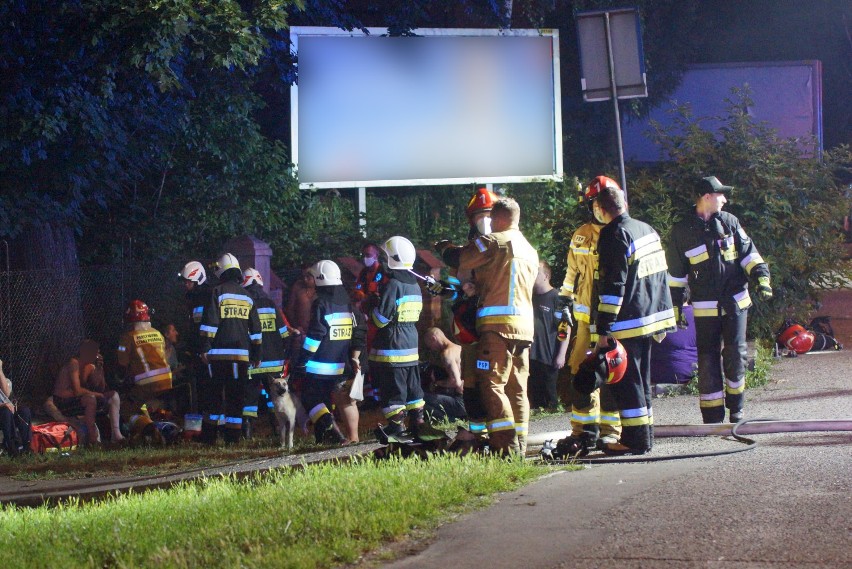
{"x": 81, "y": 388}
{"x": 446, "y": 401}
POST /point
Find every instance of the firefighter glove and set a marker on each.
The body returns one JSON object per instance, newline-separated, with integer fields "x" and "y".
{"x": 435, "y": 288}
{"x": 680, "y": 318}
{"x": 763, "y": 288}
{"x": 563, "y": 329}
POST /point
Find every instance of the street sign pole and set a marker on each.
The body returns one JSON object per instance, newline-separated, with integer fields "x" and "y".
{"x": 611, "y": 63}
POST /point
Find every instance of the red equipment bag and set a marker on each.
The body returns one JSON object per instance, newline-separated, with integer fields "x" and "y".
{"x": 54, "y": 437}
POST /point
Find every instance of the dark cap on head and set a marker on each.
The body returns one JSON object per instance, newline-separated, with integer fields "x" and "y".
{"x": 712, "y": 185}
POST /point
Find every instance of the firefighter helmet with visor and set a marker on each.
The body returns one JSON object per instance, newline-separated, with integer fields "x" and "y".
{"x": 326, "y": 273}
{"x": 193, "y": 271}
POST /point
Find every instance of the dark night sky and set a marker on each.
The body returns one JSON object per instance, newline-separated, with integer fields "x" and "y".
{"x": 774, "y": 30}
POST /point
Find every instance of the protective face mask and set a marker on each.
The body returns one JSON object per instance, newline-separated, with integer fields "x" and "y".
{"x": 596, "y": 211}
{"x": 369, "y": 261}
{"x": 483, "y": 225}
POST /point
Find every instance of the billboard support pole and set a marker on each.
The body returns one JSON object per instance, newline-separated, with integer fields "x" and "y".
{"x": 611, "y": 62}
{"x": 362, "y": 211}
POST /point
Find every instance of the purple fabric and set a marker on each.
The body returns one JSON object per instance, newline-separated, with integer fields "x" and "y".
{"x": 675, "y": 359}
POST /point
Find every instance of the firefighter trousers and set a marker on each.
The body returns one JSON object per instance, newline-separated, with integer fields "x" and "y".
{"x": 592, "y": 416}
{"x": 502, "y": 371}
{"x": 721, "y": 346}
{"x": 633, "y": 395}
{"x": 477, "y": 416}
{"x": 399, "y": 389}
{"x": 221, "y": 399}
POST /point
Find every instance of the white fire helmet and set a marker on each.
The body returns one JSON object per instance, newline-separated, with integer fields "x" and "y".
{"x": 193, "y": 271}
{"x": 225, "y": 262}
{"x": 400, "y": 252}
{"x": 326, "y": 273}
{"x": 252, "y": 276}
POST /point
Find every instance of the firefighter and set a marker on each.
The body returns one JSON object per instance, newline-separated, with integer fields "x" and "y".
{"x": 712, "y": 255}
{"x": 274, "y": 351}
{"x": 142, "y": 354}
{"x": 478, "y": 212}
{"x": 634, "y": 305}
{"x": 394, "y": 355}
{"x": 194, "y": 279}
{"x": 332, "y": 340}
{"x": 579, "y": 300}
{"x": 465, "y": 305}
{"x": 231, "y": 342}
{"x": 506, "y": 266}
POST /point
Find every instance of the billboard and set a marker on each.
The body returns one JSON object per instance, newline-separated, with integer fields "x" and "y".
{"x": 447, "y": 106}
{"x": 787, "y": 95}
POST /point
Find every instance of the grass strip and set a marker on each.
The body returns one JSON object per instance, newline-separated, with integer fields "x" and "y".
{"x": 320, "y": 516}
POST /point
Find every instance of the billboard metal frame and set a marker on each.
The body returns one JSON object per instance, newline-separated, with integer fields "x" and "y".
{"x": 297, "y": 31}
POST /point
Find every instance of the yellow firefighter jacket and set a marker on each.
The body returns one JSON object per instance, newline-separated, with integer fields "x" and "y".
{"x": 506, "y": 266}
{"x": 582, "y": 266}
{"x": 143, "y": 353}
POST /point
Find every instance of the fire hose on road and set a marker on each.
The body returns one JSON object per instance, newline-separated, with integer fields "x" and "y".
{"x": 737, "y": 431}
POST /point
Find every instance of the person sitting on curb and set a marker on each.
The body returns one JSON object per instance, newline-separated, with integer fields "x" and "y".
{"x": 80, "y": 388}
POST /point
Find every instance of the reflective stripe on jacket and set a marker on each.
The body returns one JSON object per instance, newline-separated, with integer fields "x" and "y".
{"x": 396, "y": 316}
{"x": 714, "y": 259}
{"x": 330, "y": 335}
{"x": 634, "y": 294}
{"x": 275, "y": 330}
{"x": 580, "y": 274}
{"x": 506, "y": 266}
{"x": 143, "y": 353}
{"x": 230, "y": 328}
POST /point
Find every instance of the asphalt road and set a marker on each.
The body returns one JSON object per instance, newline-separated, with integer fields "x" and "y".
{"x": 787, "y": 503}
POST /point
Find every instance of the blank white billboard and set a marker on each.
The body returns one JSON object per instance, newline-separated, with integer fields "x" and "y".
{"x": 442, "y": 107}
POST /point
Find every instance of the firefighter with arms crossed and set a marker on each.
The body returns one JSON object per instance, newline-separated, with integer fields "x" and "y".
{"x": 230, "y": 328}
{"x": 506, "y": 266}
{"x": 634, "y": 306}
{"x": 591, "y": 418}
{"x": 711, "y": 254}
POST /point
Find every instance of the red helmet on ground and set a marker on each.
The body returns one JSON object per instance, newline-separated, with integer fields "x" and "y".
{"x": 482, "y": 201}
{"x": 590, "y": 192}
{"x": 795, "y": 337}
{"x": 137, "y": 311}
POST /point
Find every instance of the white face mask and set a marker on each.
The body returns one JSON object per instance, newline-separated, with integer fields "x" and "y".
{"x": 596, "y": 211}
{"x": 370, "y": 261}
{"x": 483, "y": 225}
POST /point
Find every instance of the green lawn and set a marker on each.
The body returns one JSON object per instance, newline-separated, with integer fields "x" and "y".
{"x": 324, "y": 515}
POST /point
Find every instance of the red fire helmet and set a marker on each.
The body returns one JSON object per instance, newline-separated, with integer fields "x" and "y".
{"x": 137, "y": 311}
{"x": 796, "y": 338}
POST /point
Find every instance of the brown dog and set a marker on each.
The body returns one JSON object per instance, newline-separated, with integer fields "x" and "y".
{"x": 288, "y": 410}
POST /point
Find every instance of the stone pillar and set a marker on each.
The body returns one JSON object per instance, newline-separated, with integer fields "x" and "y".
{"x": 252, "y": 252}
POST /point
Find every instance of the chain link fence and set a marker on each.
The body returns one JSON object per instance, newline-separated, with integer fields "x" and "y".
{"x": 44, "y": 314}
